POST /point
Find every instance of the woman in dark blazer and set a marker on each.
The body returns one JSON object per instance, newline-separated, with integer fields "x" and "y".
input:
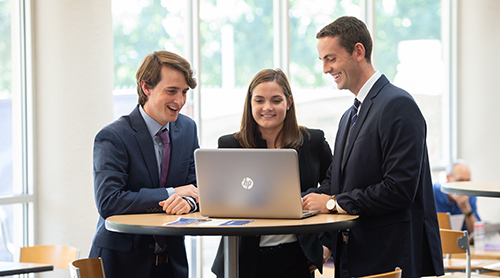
{"x": 269, "y": 121}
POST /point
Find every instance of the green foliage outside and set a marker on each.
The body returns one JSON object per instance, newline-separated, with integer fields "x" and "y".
{"x": 253, "y": 39}
{"x": 5, "y": 47}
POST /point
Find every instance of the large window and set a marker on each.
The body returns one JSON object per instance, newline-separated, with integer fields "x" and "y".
{"x": 15, "y": 147}
{"x": 229, "y": 41}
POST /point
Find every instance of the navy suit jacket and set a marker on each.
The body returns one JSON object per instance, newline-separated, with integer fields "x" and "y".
{"x": 126, "y": 181}
{"x": 385, "y": 178}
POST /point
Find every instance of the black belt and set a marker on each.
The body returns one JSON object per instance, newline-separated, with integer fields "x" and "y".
{"x": 284, "y": 247}
{"x": 161, "y": 258}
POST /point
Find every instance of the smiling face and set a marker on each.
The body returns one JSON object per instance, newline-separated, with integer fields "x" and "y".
{"x": 339, "y": 63}
{"x": 269, "y": 106}
{"x": 165, "y": 100}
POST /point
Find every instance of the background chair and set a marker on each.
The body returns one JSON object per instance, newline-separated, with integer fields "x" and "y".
{"x": 444, "y": 220}
{"x": 87, "y": 268}
{"x": 393, "y": 274}
{"x": 58, "y": 255}
{"x": 453, "y": 242}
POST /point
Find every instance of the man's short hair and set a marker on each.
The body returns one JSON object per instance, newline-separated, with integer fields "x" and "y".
{"x": 350, "y": 31}
{"x": 451, "y": 166}
{"x": 150, "y": 71}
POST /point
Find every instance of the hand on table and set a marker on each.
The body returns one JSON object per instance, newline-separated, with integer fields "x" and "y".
{"x": 187, "y": 190}
{"x": 315, "y": 201}
{"x": 175, "y": 204}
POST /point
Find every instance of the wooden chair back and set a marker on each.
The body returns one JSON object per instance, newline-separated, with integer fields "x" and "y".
{"x": 444, "y": 220}
{"x": 87, "y": 268}
{"x": 393, "y": 274}
{"x": 453, "y": 242}
{"x": 58, "y": 255}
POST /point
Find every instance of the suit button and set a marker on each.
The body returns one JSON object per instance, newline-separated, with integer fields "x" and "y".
{"x": 151, "y": 246}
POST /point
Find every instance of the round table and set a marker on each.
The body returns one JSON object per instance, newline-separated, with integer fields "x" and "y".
{"x": 472, "y": 188}
{"x": 153, "y": 224}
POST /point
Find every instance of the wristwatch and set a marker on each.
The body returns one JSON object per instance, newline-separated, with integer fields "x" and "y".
{"x": 331, "y": 204}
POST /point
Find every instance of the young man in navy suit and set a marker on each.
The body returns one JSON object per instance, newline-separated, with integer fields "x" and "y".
{"x": 130, "y": 175}
{"x": 380, "y": 168}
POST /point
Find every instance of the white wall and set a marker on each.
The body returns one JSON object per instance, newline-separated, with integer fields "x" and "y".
{"x": 73, "y": 75}
{"x": 478, "y": 91}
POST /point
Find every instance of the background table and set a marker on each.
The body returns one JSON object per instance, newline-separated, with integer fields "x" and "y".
{"x": 472, "y": 188}
{"x": 153, "y": 224}
{"x": 12, "y": 268}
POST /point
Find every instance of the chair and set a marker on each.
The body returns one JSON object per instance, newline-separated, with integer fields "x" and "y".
{"x": 87, "y": 268}
{"x": 444, "y": 220}
{"x": 393, "y": 274}
{"x": 57, "y": 255}
{"x": 453, "y": 242}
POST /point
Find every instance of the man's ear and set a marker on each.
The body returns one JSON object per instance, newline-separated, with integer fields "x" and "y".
{"x": 359, "y": 51}
{"x": 145, "y": 87}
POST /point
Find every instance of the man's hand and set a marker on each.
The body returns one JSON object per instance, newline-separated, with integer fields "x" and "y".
{"x": 315, "y": 201}
{"x": 326, "y": 253}
{"x": 462, "y": 202}
{"x": 187, "y": 190}
{"x": 175, "y": 204}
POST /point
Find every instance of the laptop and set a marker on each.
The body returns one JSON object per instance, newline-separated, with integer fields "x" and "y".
{"x": 249, "y": 183}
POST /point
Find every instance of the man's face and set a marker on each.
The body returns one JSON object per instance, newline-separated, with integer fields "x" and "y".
{"x": 461, "y": 172}
{"x": 340, "y": 64}
{"x": 167, "y": 98}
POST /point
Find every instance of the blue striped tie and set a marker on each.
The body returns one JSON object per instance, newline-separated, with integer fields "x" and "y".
{"x": 354, "y": 115}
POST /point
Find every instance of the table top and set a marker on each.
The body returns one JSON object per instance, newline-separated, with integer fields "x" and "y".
{"x": 472, "y": 188}
{"x": 153, "y": 224}
{"x": 13, "y": 268}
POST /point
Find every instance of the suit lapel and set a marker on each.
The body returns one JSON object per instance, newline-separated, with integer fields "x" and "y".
{"x": 145, "y": 143}
{"x": 365, "y": 110}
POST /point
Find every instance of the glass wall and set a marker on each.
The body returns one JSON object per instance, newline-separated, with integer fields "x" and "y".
{"x": 16, "y": 194}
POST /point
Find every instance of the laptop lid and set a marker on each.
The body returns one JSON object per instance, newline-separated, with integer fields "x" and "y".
{"x": 248, "y": 183}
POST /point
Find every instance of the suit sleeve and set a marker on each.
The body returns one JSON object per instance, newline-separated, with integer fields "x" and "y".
{"x": 392, "y": 158}
{"x": 116, "y": 191}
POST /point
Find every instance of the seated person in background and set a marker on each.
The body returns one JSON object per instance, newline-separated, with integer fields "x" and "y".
{"x": 269, "y": 121}
{"x": 457, "y": 204}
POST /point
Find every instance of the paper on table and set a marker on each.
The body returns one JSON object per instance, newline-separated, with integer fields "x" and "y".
{"x": 182, "y": 221}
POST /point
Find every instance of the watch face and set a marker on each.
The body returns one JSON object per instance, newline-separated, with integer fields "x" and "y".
{"x": 330, "y": 204}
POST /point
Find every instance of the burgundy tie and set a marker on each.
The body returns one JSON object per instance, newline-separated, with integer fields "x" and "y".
{"x": 165, "y": 139}
{"x": 166, "y": 155}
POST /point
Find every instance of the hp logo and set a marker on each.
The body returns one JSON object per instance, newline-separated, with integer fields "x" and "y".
{"x": 247, "y": 183}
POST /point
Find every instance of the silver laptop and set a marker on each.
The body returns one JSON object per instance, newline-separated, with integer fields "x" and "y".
{"x": 249, "y": 183}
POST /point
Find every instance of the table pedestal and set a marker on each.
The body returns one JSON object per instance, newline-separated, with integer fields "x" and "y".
{"x": 231, "y": 256}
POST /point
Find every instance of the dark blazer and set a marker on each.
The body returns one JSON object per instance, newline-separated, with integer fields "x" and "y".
{"x": 126, "y": 180}
{"x": 314, "y": 157}
{"x": 385, "y": 178}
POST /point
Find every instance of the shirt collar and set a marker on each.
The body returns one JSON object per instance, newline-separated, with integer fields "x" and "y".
{"x": 153, "y": 126}
{"x": 368, "y": 86}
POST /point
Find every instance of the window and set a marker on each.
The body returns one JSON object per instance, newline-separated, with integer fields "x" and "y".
{"x": 16, "y": 194}
{"x": 238, "y": 38}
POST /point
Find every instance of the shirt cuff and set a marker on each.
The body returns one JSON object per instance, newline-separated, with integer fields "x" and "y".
{"x": 192, "y": 202}
{"x": 339, "y": 209}
{"x": 170, "y": 191}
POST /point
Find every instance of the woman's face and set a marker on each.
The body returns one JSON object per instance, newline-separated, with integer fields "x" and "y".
{"x": 269, "y": 106}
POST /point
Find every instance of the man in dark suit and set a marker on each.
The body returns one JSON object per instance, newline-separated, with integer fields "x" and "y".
{"x": 128, "y": 166}
{"x": 380, "y": 169}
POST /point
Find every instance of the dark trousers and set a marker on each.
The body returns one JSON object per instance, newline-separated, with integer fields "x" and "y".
{"x": 286, "y": 260}
{"x": 341, "y": 269}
